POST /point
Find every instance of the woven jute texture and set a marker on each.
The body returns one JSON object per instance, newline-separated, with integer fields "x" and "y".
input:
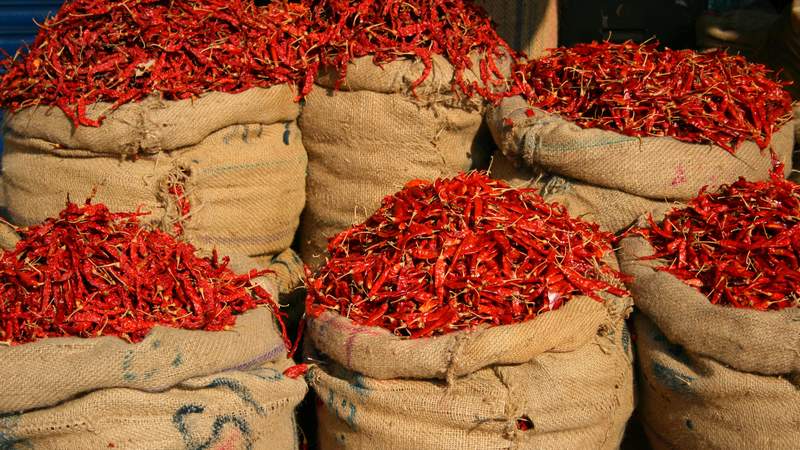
{"x": 370, "y": 136}
{"x": 611, "y": 209}
{"x": 713, "y": 377}
{"x": 237, "y": 409}
{"x": 238, "y": 159}
{"x": 569, "y": 372}
{"x": 617, "y": 178}
{"x": 175, "y": 389}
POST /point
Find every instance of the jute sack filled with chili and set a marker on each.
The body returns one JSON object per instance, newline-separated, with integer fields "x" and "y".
{"x": 447, "y": 321}
{"x": 719, "y": 331}
{"x": 99, "y": 352}
{"x": 389, "y": 108}
{"x": 629, "y": 125}
{"x": 580, "y": 199}
{"x": 165, "y": 105}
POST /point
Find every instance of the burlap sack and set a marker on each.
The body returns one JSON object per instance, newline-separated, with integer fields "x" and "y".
{"x": 530, "y": 26}
{"x": 239, "y": 158}
{"x": 713, "y": 377}
{"x": 567, "y": 372}
{"x": 239, "y": 409}
{"x": 366, "y": 140}
{"x": 175, "y": 389}
{"x": 287, "y": 271}
{"x": 627, "y": 176}
{"x": 8, "y": 237}
{"x": 619, "y": 210}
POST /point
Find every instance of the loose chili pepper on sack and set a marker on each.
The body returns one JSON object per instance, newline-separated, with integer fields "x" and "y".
{"x": 389, "y": 30}
{"x": 91, "y": 272}
{"x": 739, "y": 246}
{"x": 120, "y": 52}
{"x": 457, "y": 253}
{"x": 638, "y": 90}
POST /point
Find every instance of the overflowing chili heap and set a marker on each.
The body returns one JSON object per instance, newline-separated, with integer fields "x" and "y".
{"x": 457, "y": 253}
{"x": 740, "y": 246}
{"x": 387, "y": 30}
{"x": 122, "y": 51}
{"x": 639, "y": 90}
{"x": 91, "y": 272}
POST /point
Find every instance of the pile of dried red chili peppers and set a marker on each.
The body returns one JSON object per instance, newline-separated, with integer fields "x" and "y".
{"x": 639, "y": 90}
{"x": 91, "y": 272}
{"x": 740, "y": 246}
{"x": 123, "y": 51}
{"x": 388, "y": 30}
{"x": 457, "y": 253}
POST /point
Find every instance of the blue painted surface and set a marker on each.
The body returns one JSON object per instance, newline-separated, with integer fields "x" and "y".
{"x": 17, "y": 26}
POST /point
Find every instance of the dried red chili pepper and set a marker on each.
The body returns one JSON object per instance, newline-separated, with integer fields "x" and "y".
{"x": 296, "y": 371}
{"x": 740, "y": 246}
{"x": 91, "y": 272}
{"x": 119, "y": 52}
{"x": 391, "y": 29}
{"x": 639, "y": 90}
{"x": 456, "y": 253}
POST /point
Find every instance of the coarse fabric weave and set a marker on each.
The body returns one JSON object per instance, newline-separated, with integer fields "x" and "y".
{"x": 370, "y": 136}
{"x": 617, "y": 178}
{"x": 175, "y": 389}
{"x": 568, "y": 372}
{"x": 238, "y": 159}
{"x": 713, "y": 377}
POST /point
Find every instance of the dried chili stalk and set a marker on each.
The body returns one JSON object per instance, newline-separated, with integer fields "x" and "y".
{"x": 123, "y": 51}
{"x": 389, "y": 30}
{"x": 457, "y": 253}
{"x": 639, "y": 90}
{"x": 91, "y": 272}
{"x": 739, "y": 247}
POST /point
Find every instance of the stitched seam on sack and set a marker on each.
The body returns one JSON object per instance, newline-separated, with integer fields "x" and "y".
{"x": 269, "y": 165}
{"x": 510, "y": 412}
{"x": 620, "y": 362}
{"x": 78, "y": 425}
{"x": 453, "y": 353}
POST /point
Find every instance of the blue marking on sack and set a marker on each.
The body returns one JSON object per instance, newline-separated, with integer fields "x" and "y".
{"x": 178, "y": 361}
{"x": 240, "y": 390}
{"x": 675, "y": 350}
{"x": 359, "y": 386}
{"x": 8, "y": 442}
{"x": 672, "y": 379}
{"x": 179, "y": 420}
{"x": 127, "y": 364}
{"x": 345, "y": 406}
{"x": 286, "y": 134}
{"x": 626, "y": 339}
{"x": 270, "y": 374}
